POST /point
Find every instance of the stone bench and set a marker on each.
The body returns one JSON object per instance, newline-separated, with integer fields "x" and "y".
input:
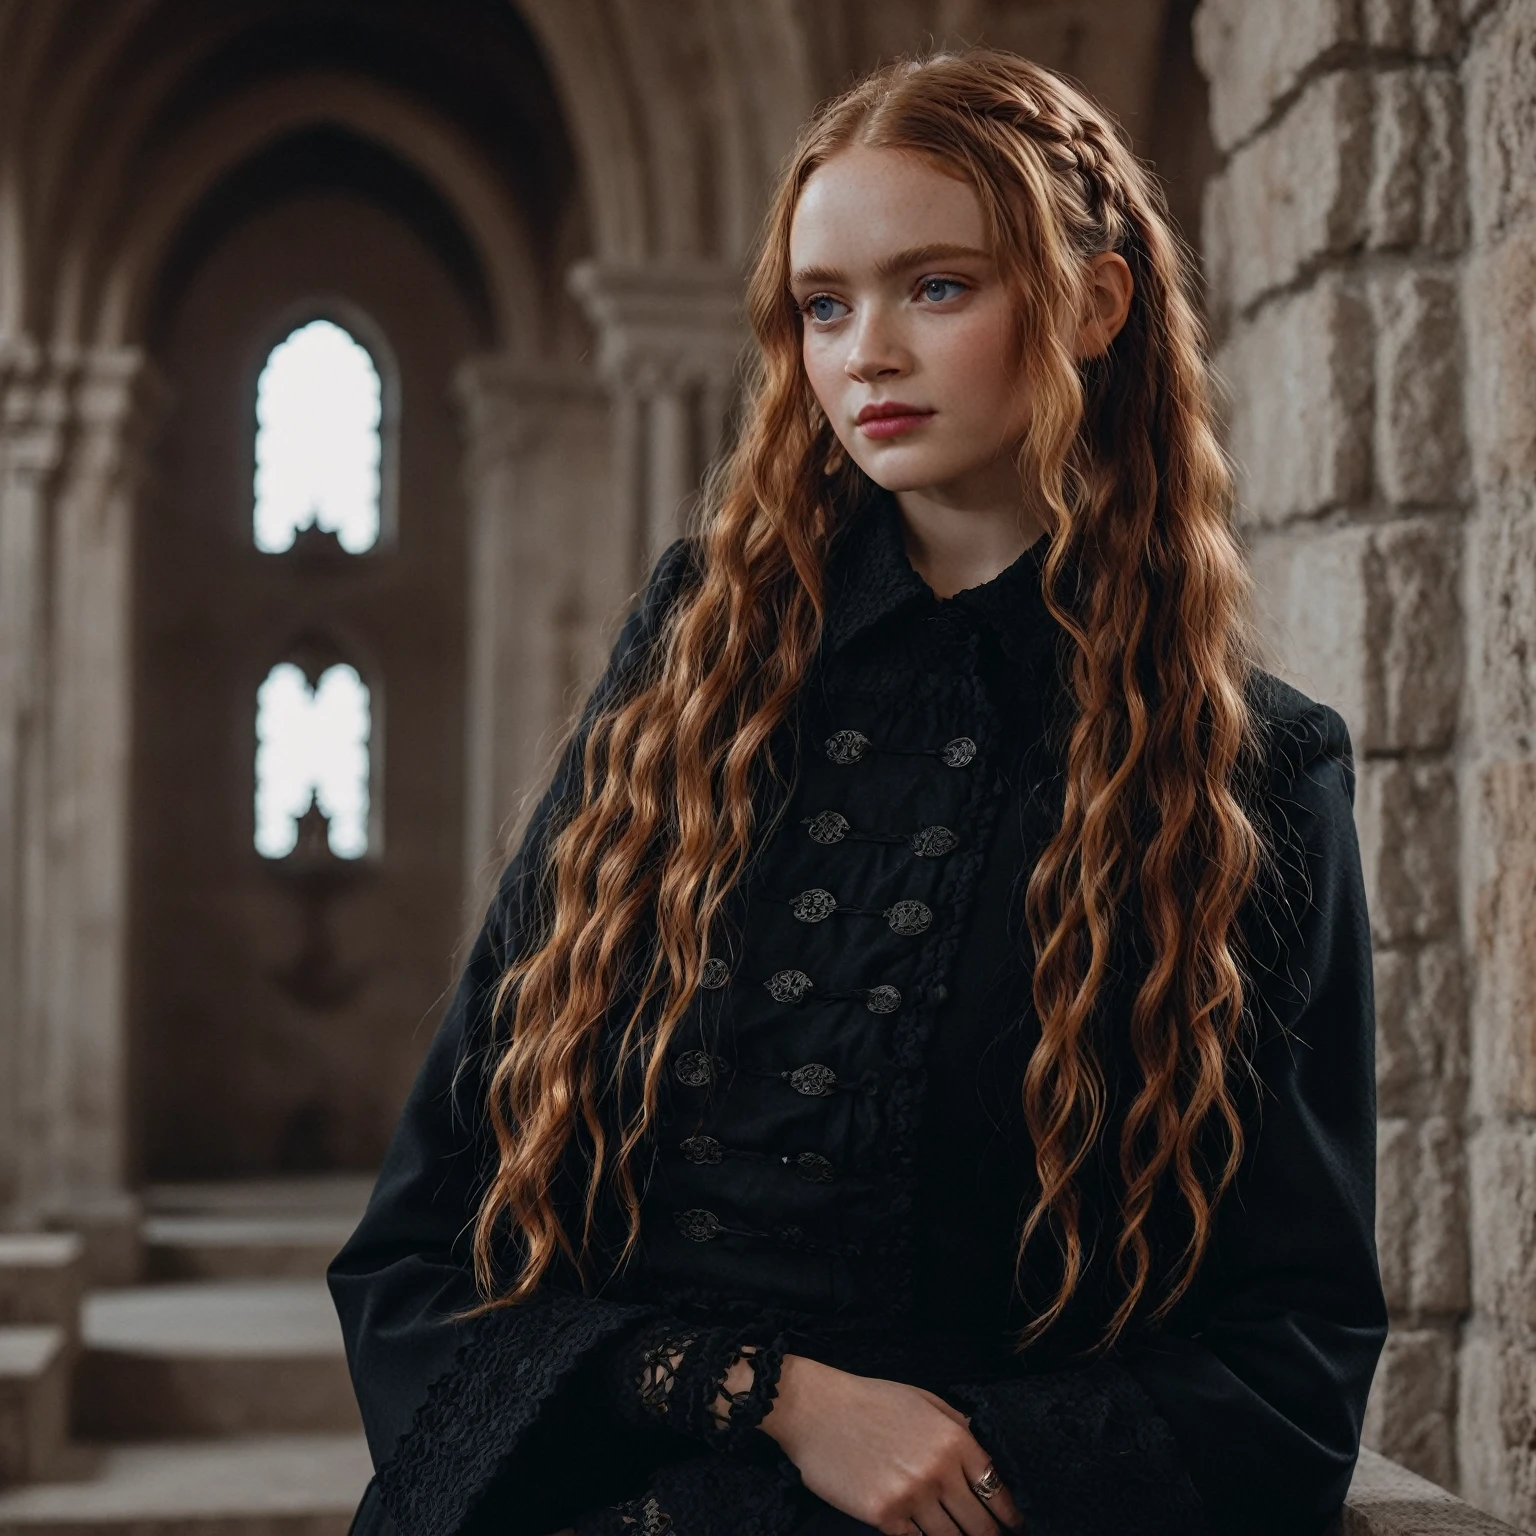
{"x": 1388, "y": 1500}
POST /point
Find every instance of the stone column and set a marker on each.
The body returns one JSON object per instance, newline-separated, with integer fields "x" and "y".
{"x": 73, "y": 458}
{"x": 669, "y": 341}
{"x": 545, "y": 571}
{"x": 34, "y": 407}
{"x": 1333, "y": 236}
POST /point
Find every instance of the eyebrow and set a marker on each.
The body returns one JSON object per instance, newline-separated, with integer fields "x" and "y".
{"x": 889, "y": 266}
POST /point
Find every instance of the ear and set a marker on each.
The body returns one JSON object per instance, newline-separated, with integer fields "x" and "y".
{"x": 1110, "y": 287}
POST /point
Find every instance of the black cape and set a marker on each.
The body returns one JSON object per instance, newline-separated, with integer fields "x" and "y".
{"x": 841, "y": 1161}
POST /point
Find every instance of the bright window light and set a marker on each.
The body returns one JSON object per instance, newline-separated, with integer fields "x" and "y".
{"x": 312, "y": 743}
{"x": 317, "y": 440}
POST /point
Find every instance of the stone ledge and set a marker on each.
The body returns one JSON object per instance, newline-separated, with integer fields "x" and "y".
{"x": 1388, "y": 1500}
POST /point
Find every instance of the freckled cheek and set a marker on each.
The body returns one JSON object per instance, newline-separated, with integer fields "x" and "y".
{"x": 977, "y": 373}
{"x": 824, "y": 374}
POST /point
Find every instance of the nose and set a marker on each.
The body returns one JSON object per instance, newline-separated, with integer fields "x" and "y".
{"x": 876, "y": 352}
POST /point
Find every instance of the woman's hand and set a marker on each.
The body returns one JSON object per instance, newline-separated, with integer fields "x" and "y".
{"x": 893, "y": 1456}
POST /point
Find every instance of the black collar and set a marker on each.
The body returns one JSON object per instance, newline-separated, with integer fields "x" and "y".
{"x": 870, "y": 579}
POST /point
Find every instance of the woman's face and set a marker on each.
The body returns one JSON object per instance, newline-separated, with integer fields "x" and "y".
{"x": 908, "y": 332}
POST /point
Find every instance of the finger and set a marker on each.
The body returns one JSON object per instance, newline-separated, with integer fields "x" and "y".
{"x": 932, "y": 1519}
{"x": 971, "y": 1514}
{"x": 1000, "y": 1506}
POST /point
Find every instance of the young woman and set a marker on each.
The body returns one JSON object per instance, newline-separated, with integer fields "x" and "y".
{"x": 916, "y": 1074}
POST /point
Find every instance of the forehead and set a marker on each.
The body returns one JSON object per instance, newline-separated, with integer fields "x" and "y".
{"x": 863, "y": 204}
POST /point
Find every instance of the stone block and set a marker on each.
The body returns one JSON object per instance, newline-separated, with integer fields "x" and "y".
{"x": 1386, "y": 1499}
{"x": 1257, "y": 55}
{"x": 1502, "y": 1183}
{"x": 1294, "y": 194}
{"x": 1367, "y": 619}
{"x": 1421, "y": 1216}
{"x": 1423, "y": 27}
{"x": 1406, "y": 813}
{"x": 1496, "y": 1422}
{"x": 1501, "y": 121}
{"x": 1503, "y": 615}
{"x": 1499, "y": 302}
{"x": 1420, "y": 450}
{"x": 1417, "y": 197}
{"x": 1299, "y": 381}
{"x": 1503, "y": 1025}
{"x": 1421, "y": 1030}
{"x": 1411, "y": 1415}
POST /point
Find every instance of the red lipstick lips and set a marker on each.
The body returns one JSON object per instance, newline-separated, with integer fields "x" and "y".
{"x": 891, "y": 418}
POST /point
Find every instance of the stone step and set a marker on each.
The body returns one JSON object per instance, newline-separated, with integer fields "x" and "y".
{"x": 212, "y": 1358}
{"x": 238, "y": 1247}
{"x": 255, "y": 1486}
{"x": 342, "y": 1195}
{"x": 34, "y": 1399}
{"x": 42, "y": 1278}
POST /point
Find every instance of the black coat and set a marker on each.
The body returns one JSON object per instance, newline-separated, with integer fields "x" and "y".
{"x": 841, "y": 1159}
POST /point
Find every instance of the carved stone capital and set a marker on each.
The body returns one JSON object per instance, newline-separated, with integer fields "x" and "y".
{"x": 663, "y": 328}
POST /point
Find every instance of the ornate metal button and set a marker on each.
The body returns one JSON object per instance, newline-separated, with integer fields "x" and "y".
{"x": 847, "y": 746}
{"x": 714, "y": 975}
{"x": 793, "y": 1237}
{"x": 789, "y": 986}
{"x": 884, "y": 999}
{"x": 814, "y": 906}
{"x": 695, "y": 1069}
{"x": 812, "y": 1167}
{"x": 698, "y": 1226}
{"x": 828, "y": 827}
{"x": 813, "y": 1080}
{"x": 908, "y": 917}
{"x": 701, "y": 1149}
{"x": 933, "y": 842}
{"x": 959, "y": 752}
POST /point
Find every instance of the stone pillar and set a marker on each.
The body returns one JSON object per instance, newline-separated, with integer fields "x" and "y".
{"x": 546, "y": 572}
{"x": 34, "y": 407}
{"x": 1498, "y": 1375}
{"x": 1334, "y": 233}
{"x": 71, "y": 467}
{"x": 669, "y": 341}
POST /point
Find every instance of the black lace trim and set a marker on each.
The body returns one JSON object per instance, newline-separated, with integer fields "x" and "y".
{"x": 709, "y": 1496}
{"x": 506, "y": 1368}
{"x": 1085, "y": 1453}
{"x": 674, "y": 1375}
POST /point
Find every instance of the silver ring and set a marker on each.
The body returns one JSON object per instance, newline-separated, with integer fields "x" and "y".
{"x": 987, "y": 1485}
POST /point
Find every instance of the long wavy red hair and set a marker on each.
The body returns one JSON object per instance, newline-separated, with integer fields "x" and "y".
{"x": 1145, "y": 578}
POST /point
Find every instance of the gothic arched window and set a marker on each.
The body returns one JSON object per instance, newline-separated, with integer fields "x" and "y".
{"x": 318, "y": 449}
{"x": 312, "y": 753}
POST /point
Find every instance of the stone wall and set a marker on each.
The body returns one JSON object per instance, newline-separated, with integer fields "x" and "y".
{"x": 1371, "y": 249}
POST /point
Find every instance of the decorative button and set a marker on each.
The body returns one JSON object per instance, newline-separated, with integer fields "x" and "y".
{"x": 714, "y": 975}
{"x": 941, "y": 993}
{"x": 701, "y": 1149}
{"x": 957, "y": 753}
{"x": 695, "y": 1069}
{"x": 698, "y": 1226}
{"x": 814, "y": 906}
{"x": 933, "y": 842}
{"x": 828, "y": 827}
{"x": 908, "y": 917}
{"x": 789, "y": 986}
{"x": 884, "y": 999}
{"x": 812, "y": 1167}
{"x": 813, "y": 1080}
{"x": 850, "y": 746}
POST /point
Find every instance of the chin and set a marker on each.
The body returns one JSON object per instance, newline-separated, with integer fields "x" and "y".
{"x": 906, "y": 471}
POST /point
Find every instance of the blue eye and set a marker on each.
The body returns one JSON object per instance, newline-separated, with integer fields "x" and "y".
{"x": 938, "y": 289}
{"x": 823, "y": 309}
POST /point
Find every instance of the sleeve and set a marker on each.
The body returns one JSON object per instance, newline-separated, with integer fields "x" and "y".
{"x": 1245, "y": 1417}
{"x": 511, "y": 1417}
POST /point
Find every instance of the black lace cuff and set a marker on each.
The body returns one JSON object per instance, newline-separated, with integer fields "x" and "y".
{"x": 674, "y": 1375}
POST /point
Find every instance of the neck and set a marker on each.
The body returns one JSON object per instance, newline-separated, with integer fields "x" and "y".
{"x": 954, "y": 543}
